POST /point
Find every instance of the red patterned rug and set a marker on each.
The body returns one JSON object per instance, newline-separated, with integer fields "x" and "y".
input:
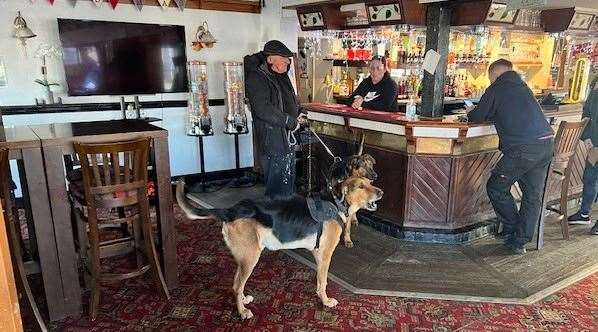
{"x": 285, "y": 300}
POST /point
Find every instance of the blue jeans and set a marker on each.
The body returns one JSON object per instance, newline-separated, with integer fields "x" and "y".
{"x": 590, "y": 188}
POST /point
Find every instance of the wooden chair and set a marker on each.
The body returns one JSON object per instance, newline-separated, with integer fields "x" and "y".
{"x": 559, "y": 173}
{"x": 11, "y": 218}
{"x": 115, "y": 176}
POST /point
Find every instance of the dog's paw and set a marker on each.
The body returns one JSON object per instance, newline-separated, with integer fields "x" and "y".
{"x": 330, "y": 302}
{"x": 349, "y": 244}
{"x": 246, "y": 314}
{"x": 247, "y": 299}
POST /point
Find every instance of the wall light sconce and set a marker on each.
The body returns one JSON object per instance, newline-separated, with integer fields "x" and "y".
{"x": 21, "y": 31}
{"x": 203, "y": 38}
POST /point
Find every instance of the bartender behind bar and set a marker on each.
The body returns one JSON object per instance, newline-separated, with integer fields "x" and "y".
{"x": 377, "y": 92}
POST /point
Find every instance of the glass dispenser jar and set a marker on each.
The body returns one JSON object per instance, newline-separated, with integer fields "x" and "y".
{"x": 235, "y": 121}
{"x": 199, "y": 121}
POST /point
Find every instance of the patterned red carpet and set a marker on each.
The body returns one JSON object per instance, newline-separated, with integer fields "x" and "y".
{"x": 285, "y": 300}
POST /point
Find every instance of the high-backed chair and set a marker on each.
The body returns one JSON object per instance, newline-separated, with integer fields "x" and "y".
{"x": 115, "y": 176}
{"x": 14, "y": 241}
{"x": 559, "y": 173}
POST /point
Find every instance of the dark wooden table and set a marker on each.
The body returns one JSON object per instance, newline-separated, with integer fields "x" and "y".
{"x": 56, "y": 142}
{"x": 25, "y": 147}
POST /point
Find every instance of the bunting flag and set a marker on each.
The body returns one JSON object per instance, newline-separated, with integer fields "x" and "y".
{"x": 181, "y": 4}
{"x": 98, "y": 2}
{"x": 113, "y": 3}
{"x": 164, "y": 3}
{"x": 73, "y": 2}
{"x": 51, "y": 2}
{"x": 138, "y": 4}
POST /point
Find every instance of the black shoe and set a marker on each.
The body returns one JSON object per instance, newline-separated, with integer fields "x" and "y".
{"x": 579, "y": 219}
{"x": 594, "y": 230}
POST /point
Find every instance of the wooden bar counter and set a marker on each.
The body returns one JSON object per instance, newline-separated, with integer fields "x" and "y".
{"x": 433, "y": 173}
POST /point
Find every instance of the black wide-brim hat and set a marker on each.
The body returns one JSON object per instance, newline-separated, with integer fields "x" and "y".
{"x": 276, "y": 47}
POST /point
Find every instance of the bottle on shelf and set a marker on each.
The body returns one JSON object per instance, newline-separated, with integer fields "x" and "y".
{"x": 411, "y": 109}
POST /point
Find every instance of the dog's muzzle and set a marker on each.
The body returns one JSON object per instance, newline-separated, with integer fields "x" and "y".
{"x": 372, "y": 205}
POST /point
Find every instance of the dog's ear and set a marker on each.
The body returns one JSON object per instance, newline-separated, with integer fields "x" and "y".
{"x": 353, "y": 163}
{"x": 369, "y": 158}
{"x": 360, "y": 149}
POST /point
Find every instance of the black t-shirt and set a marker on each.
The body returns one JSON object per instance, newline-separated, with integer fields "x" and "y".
{"x": 380, "y": 97}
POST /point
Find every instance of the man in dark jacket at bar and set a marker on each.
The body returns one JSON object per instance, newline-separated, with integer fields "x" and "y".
{"x": 377, "y": 92}
{"x": 526, "y": 141}
{"x": 275, "y": 112}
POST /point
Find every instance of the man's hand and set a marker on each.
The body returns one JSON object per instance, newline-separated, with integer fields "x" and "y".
{"x": 302, "y": 118}
{"x": 469, "y": 108}
{"x": 357, "y": 102}
{"x": 588, "y": 143}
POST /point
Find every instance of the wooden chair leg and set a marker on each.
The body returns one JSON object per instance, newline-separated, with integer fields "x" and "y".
{"x": 139, "y": 245}
{"x": 82, "y": 239}
{"x": 94, "y": 262}
{"x": 563, "y": 209}
{"x": 21, "y": 275}
{"x": 28, "y": 212}
{"x": 150, "y": 249}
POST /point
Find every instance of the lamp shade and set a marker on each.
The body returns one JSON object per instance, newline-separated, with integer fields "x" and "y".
{"x": 21, "y": 30}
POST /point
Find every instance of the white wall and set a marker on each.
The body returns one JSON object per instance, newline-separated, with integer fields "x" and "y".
{"x": 238, "y": 34}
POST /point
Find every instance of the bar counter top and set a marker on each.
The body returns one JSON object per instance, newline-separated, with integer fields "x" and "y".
{"x": 447, "y": 136}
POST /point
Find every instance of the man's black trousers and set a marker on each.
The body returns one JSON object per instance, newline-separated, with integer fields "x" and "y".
{"x": 279, "y": 174}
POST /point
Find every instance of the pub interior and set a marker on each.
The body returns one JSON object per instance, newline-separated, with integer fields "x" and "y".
{"x": 129, "y": 126}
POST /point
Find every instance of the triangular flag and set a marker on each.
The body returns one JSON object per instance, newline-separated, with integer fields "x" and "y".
{"x": 181, "y": 4}
{"x": 138, "y": 4}
{"x": 164, "y": 3}
{"x": 98, "y": 2}
{"x": 73, "y": 2}
{"x": 113, "y": 3}
{"x": 51, "y": 2}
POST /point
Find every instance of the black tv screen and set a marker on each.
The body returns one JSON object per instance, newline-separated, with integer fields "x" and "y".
{"x": 115, "y": 58}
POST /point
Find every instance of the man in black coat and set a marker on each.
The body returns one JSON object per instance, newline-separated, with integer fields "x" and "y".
{"x": 275, "y": 112}
{"x": 526, "y": 141}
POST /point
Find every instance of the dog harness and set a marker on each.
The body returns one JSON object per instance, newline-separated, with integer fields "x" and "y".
{"x": 322, "y": 210}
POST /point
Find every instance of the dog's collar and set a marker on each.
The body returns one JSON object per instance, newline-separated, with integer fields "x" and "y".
{"x": 340, "y": 204}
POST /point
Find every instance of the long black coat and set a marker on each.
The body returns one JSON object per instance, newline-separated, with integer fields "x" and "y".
{"x": 271, "y": 120}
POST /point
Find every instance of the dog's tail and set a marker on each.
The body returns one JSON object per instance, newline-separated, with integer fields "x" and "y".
{"x": 193, "y": 212}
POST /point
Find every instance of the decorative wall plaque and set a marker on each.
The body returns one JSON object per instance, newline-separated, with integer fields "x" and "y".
{"x": 311, "y": 20}
{"x": 498, "y": 13}
{"x": 581, "y": 21}
{"x": 383, "y": 14}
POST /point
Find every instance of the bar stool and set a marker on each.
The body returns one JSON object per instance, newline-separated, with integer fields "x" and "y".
{"x": 559, "y": 174}
{"x": 11, "y": 218}
{"x": 115, "y": 176}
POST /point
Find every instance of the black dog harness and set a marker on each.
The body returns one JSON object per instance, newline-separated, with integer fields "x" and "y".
{"x": 322, "y": 210}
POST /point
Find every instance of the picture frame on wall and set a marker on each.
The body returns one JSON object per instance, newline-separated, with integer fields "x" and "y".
{"x": 498, "y": 13}
{"x": 581, "y": 21}
{"x": 3, "y": 79}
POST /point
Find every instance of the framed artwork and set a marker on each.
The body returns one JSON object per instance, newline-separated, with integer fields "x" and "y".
{"x": 3, "y": 80}
{"x": 498, "y": 13}
{"x": 581, "y": 21}
{"x": 381, "y": 13}
{"x": 313, "y": 20}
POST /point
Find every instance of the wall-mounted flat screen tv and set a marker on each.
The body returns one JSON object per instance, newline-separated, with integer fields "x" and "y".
{"x": 116, "y": 58}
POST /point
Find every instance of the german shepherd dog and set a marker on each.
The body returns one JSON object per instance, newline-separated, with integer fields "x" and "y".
{"x": 359, "y": 165}
{"x": 250, "y": 226}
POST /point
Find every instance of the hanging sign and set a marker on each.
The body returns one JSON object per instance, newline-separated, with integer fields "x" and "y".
{"x": 138, "y": 4}
{"x": 181, "y": 4}
{"x": 164, "y": 3}
{"x": 113, "y": 3}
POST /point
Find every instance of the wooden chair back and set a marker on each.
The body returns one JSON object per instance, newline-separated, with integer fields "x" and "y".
{"x": 565, "y": 142}
{"x": 559, "y": 173}
{"x": 114, "y": 174}
{"x": 5, "y": 183}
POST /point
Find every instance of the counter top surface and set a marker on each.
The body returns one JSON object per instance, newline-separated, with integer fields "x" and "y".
{"x": 450, "y": 121}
